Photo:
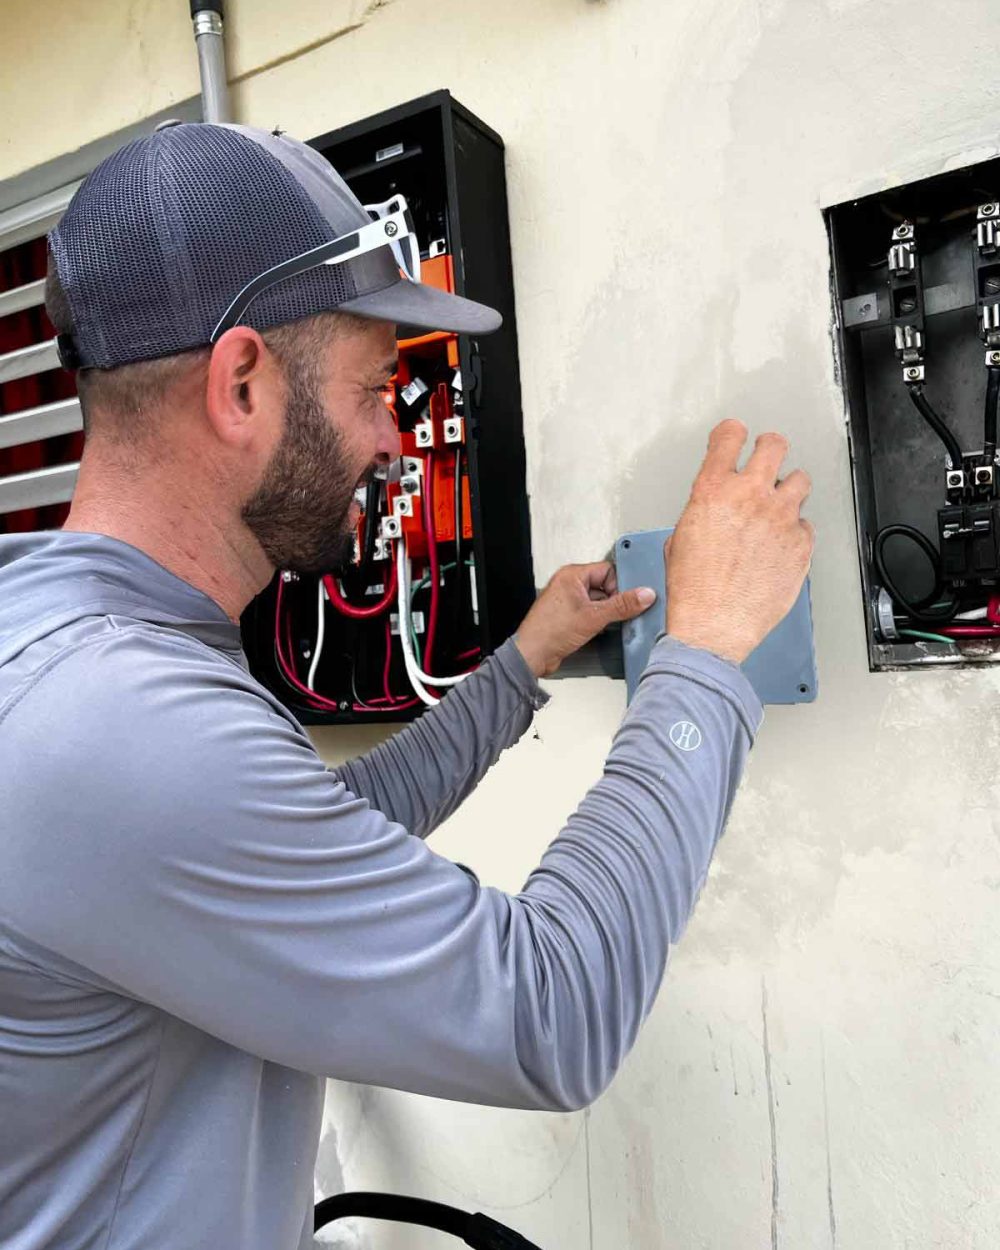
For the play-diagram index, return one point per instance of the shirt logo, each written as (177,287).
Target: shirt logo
(685,736)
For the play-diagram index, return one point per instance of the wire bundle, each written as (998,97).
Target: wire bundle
(398,591)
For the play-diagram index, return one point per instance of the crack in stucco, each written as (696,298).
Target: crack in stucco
(771,1116)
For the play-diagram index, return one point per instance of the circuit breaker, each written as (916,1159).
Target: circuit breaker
(441,572)
(916,278)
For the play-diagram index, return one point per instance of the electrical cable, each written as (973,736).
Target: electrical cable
(918,611)
(285,664)
(917,633)
(992,413)
(320,633)
(417,677)
(937,424)
(459,526)
(413,673)
(971,631)
(476,1230)
(365,613)
(430,533)
(373,508)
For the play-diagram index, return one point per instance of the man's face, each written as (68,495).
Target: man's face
(338,430)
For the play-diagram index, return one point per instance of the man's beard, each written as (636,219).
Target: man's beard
(299,511)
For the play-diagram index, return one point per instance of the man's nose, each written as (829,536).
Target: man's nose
(388,446)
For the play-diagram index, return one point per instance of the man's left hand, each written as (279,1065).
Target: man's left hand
(579,601)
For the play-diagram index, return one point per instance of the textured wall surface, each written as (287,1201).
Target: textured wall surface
(819,1071)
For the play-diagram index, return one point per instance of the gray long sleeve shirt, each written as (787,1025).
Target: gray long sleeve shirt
(199,921)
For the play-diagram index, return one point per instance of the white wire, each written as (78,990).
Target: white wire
(417,678)
(403,601)
(320,633)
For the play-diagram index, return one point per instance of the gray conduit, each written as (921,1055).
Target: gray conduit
(206,16)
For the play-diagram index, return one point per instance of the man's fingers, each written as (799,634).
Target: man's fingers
(796,487)
(625,606)
(768,456)
(599,579)
(725,444)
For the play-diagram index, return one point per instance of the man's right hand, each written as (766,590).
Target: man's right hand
(741,550)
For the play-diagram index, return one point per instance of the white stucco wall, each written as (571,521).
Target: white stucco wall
(819,1071)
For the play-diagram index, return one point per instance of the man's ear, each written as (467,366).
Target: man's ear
(244,388)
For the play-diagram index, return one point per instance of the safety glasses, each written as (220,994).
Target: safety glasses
(391,225)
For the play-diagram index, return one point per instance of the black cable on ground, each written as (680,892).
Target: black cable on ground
(478,1231)
(937,424)
(917,611)
(992,411)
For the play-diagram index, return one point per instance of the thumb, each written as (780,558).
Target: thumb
(626,605)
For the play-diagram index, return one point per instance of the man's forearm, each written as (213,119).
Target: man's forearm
(421,775)
(616,888)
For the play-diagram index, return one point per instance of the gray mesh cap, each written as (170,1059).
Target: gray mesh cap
(164,234)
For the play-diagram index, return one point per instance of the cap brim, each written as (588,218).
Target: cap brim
(424,308)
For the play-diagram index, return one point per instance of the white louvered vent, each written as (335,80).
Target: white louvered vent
(39,413)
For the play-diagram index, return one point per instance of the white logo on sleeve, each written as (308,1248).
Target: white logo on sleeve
(685,736)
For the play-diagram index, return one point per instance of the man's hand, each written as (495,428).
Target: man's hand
(579,601)
(741,551)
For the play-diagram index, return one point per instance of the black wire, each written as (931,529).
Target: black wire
(373,507)
(937,425)
(992,411)
(914,610)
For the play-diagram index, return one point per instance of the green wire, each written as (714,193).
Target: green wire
(918,633)
(424,582)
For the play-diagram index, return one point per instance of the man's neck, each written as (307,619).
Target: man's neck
(184,530)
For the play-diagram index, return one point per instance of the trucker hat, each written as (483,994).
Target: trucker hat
(199,226)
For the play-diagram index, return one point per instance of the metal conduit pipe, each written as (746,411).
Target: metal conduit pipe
(206,16)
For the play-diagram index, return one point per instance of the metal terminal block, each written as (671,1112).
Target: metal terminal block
(454,430)
(410,485)
(424,433)
(955,479)
(438,247)
(901,258)
(402,505)
(391,527)
(990,328)
(909,344)
(987,223)
(984,475)
(413,466)
(913,373)
(992,359)
(383,550)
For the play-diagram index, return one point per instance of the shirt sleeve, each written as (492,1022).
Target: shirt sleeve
(421,775)
(181,838)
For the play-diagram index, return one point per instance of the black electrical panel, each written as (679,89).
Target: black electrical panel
(916,280)
(457,503)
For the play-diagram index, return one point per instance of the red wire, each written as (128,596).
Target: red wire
(366,613)
(316,701)
(432,560)
(970,631)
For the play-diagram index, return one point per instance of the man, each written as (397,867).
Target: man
(198,921)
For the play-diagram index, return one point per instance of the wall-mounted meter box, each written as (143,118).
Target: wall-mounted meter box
(916,277)
(441,572)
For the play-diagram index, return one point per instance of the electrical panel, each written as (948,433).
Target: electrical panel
(916,277)
(442,572)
